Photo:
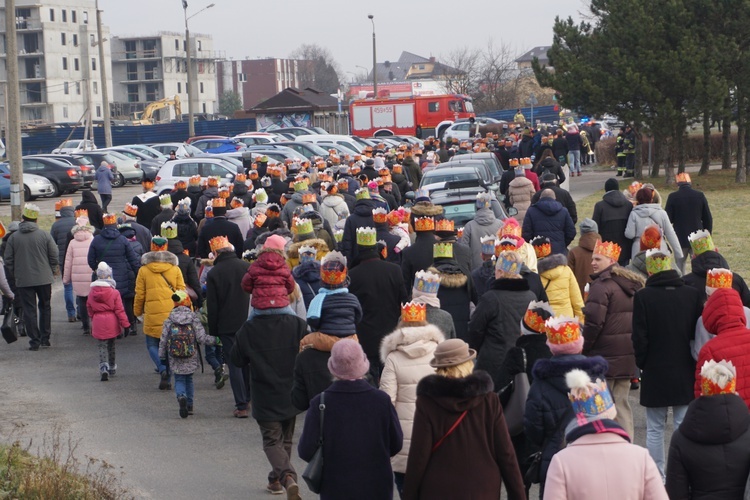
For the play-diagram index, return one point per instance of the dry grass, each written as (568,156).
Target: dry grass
(45,221)
(56,473)
(730,206)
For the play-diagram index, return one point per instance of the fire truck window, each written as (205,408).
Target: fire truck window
(455,106)
(433,107)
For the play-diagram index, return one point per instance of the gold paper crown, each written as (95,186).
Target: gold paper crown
(82,212)
(718,378)
(542,246)
(165,200)
(31,211)
(66,202)
(223,192)
(682,177)
(236,202)
(701,242)
(309,198)
(333,268)
(367,236)
(180,185)
(719,278)
(109,219)
(513,162)
(536,316)
(413,312)
(608,249)
(299,186)
(219,203)
(445,225)
(194,180)
(442,251)
(261,196)
(362,194)
(510,228)
(212,181)
(459,232)
(379,215)
(260,219)
(130,210)
(169,230)
(240,178)
(506,243)
(58,205)
(658,261)
(338,235)
(303,226)
(218,242)
(562,330)
(424,224)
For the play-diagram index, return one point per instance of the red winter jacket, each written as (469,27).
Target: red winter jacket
(107,313)
(724,316)
(269,280)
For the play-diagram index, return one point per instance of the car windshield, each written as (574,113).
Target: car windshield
(71,144)
(460,213)
(82,160)
(153,153)
(192,149)
(438,177)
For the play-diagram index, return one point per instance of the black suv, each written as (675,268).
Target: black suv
(458,199)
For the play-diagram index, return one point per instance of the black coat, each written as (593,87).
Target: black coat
(307,276)
(89,203)
(549,218)
(142,234)
(179,195)
(187,232)
(708,454)
(360,217)
(219,226)
(165,215)
(227,303)
(456,293)
(189,272)
(113,248)
(688,210)
(562,196)
(535,347)
(379,286)
(710,260)
(269,345)
(60,231)
(417,256)
(665,312)
(311,376)
(550,166)
(496,323)
(611,215)
(147,209)
(560,147)
(535,283)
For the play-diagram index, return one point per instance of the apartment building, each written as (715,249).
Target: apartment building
(256,80)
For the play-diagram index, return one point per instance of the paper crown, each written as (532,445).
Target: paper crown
(333,268)
(701,242)
(513,162)
(379,215)
(181,298)
(657,261)
(586,290)
(426,282)
(109,219)
(542,246)
(212,182)
(307,249)
(303,226)
(309,198)
(194,180)
(338,235)
(180,185)
(362,194)
(219,202)
(422,194)
(484,200)
(261,196)
(165,200)
(506,243)
(459,232)
(159,244)
(589,399)
(254,173)
(508,262)
(397,169)
(510,228)
(718,377)
(236,202)
(651,237)
(413,312)
(265,181)
(366,236)
(607,249)
(442,251)
(218,242)
(66,202)
(82,212)
(488,244)
(58,206)
(300,186)
(169,230)
(260,219)
(562,330)
(31,211)
(130,210)
(241,178)
(536,315)
(682,177)
(209,211)
(719,278)
(424,224)
(445,225)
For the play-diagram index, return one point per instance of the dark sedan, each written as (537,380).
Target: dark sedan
(65,178)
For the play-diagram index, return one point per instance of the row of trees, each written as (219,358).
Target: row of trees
(661,66)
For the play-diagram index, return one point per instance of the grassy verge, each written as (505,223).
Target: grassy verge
(56,473)
(45,221)
(729,202)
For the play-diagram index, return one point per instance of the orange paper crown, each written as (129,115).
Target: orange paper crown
(510,228)
(131,210)
(224,192)
(562,330)
(58,205)
(718,378)
(379,215)
(424,224)
(542,246)
(109,219)
(195,180)
(212,182)
(309,198)
(219,202)
(260,219)
(413,312)
(218,242)
(394,218)
(608,249)
(240,178)
(683,177)
(719,278)
(651,237)
(236,202)
(180,185)
(445,225)
(82,212)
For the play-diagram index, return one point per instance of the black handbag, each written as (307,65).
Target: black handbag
(10,326)
(534,461)
(313,474)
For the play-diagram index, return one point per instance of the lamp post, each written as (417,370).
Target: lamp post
(190,82)
(374,58)
(103,72)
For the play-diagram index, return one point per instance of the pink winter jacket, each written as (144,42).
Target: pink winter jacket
(603,467)
(108,316)
(77,270)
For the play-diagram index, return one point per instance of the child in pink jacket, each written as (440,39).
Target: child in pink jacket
(108,318)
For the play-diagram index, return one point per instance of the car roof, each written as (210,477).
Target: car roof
(457,169)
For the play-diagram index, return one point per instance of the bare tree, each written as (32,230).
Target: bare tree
(460,69)
(319,69)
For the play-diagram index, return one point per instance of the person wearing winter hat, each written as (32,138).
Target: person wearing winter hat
(269,280)
(579,257)
(717,423)
(483,275)
(456,292)
(425,291)
(597,442)
(307,273)
(558,279)
(353,408)
(461,399)
(219,226)
(108,318)
(483,224)
(76,271)
(611,216)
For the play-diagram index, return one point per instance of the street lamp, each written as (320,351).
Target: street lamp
(190,82)
(374,58)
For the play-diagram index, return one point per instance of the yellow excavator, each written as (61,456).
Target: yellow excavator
(146,117)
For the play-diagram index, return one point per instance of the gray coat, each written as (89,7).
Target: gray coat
(31,256)
(643,216)
(183,316)
(484,224)
(104,180)
(443,320)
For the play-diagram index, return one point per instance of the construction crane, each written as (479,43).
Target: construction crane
(146,117)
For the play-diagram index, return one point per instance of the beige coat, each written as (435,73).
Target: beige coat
(520,192)
(406,353)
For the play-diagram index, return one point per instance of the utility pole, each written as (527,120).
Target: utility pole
(190,89)
(374,59)
(103,74)
(13,129)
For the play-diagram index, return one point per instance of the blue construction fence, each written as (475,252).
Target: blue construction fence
(544,114)
(44,141)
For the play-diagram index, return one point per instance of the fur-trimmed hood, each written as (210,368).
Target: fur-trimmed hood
(151,257)
(293,250)
(425,209)
(414,341)
(551,262)
(456,394)
(450,276)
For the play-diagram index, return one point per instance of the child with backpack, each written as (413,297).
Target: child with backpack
(108,318)
(178,348)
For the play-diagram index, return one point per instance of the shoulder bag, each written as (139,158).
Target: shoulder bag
(516,406)
(535,460)
(313,474)
(450,431)
(10,325)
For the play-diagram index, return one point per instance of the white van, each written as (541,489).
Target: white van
(340,140)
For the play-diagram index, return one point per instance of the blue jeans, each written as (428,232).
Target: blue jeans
(656,421)
(183,386)
(70,301)
(152,344)
(214,356)
(574,160)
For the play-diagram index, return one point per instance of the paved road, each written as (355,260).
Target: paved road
(131,424)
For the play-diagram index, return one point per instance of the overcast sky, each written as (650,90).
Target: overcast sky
(274,28)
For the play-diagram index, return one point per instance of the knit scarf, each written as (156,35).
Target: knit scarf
(429,299)
(316,305)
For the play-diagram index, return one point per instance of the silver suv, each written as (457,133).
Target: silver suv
(176,170)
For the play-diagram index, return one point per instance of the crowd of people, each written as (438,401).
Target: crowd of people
(439,361)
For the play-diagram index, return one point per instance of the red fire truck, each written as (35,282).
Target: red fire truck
(420,116)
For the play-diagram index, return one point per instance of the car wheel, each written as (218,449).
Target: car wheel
(27,194)
(118,181)
(55,189)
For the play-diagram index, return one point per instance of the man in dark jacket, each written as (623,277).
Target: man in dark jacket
(189,272)
(360,217)
(418,256)
(550,166)
(688,211)
(549,181)
(142,234)
(219,226)
(210,193)
(665,312)
(226,307)
(607,331)
(60,231)
(548,217)
(560,147)
(412,169)
(147,203)
(705,261)
(369,169)
(166,214)
(89,203)
(611,217)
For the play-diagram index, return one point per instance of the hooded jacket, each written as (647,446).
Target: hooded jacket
(187,232)
(561,286)
(643,216)
(293,204)
(187,268)
(549,218)
(520,192)
(456,294)
(417,256)
(307,276)
(481,440)
(551,165)
(158,278)
(31,256)
(360,217)
(104,306)
(113,248)
(561,195)
(711,260)
(609,319)
(579,258)
(104,178)
(406,354)
(484,224)
(688,210)
(77,270)
(226,301)
(89,203)
(208,194)
(611,216)
(183,316)
(268,280)
(292,253)
(218,226)
(333,207)
(60,231)
(708,454)
(241,217)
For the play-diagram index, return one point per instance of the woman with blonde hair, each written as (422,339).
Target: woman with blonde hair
(460,446)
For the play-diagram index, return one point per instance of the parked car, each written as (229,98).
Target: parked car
(256,138)
(458,199)
(191,140)
(324,141)
(65,178)
(290,130)
(479,165)
(464,129)
(124,171)
(488,158)
(306,149)
(181,149)
(218,146)
(175,170)
(75,146)
(437,178)
(88,171)
(4,187)
(149,166)
(231,160)
(147,150)
(34,186)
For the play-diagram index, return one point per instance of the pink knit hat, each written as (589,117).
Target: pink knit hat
(275,242)
(348,360)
